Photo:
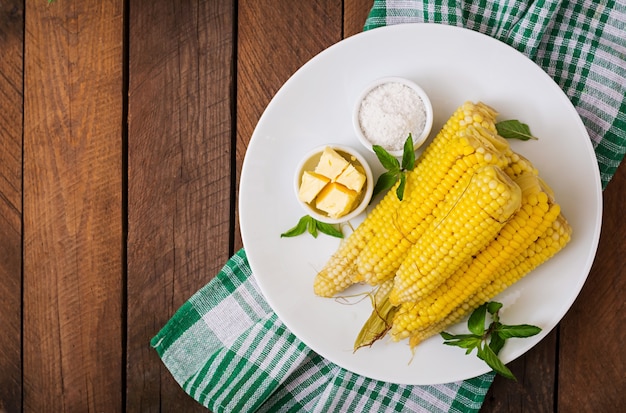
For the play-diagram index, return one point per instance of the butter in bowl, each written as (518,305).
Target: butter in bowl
(334,183)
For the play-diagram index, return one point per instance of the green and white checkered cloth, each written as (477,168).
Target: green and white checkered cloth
(230,352)
(581,44)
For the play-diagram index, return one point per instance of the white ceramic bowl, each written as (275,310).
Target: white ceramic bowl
(419,136)
(308,163)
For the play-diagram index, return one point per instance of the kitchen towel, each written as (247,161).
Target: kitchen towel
(230,352)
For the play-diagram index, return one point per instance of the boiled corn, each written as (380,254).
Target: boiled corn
(339,272)
(537,214)
(467,142)
(474,219)
(545,247)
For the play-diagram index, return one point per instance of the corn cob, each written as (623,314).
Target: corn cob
(465,144)
(518,165)
(545,247)
(340,271)
(483,208)
(537,214)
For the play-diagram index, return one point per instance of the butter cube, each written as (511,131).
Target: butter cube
(351,178)
(311,185)
(331,164)
(336,200)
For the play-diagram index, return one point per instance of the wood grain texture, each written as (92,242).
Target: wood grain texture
(107,226)
(179,180)
(536,382)
(268,54)
(355,13)
(73,206)
(592,360)
(11,117)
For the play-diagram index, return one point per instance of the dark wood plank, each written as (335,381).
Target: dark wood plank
(592,360)
(11,104)
(179,180)
(270,51)
(535,386)
(355,13)
(73,206)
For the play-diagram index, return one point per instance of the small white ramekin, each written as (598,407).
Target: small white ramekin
(308,163)
(418,139)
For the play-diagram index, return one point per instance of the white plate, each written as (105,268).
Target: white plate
(314,107)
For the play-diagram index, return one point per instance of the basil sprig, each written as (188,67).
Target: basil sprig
(311,224)
(395,170)
(490,340)
(514,129)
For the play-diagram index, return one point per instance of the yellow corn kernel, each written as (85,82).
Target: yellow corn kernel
(339,272)
(475,218)
(448,162)
(537,213)
(518,165)
(383,255)
(545,247)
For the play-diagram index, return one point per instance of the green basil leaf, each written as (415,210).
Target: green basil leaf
(388,161)
(476,322)
(514,129)
(400,189)
(446,336)
(486,354)
(520,331)
(299,229)
(329,229)
(496,342)
(466,341)
(408,154)
(493,307)
(312,225)
(384,182)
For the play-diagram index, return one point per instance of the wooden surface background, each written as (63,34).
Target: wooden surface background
(123,128)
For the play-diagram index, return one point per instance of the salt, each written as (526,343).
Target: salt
(389,112)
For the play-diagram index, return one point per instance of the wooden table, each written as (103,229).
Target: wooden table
(122,129)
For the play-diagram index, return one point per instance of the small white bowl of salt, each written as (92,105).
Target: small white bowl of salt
(389,110)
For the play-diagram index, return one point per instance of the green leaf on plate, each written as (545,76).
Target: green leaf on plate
(493,307)
(466,341)
(388,161)
(496,343)
(514,129)
(385,182)
(486,354)
(491,340)
(329,229)
(476,322)
(519,331)
(299,229)
(408,155)
(395,171)
(311,224)
(400,189)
